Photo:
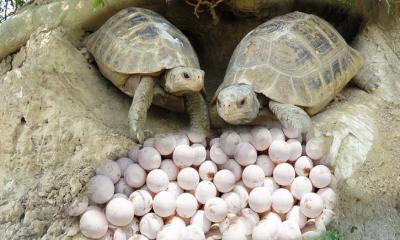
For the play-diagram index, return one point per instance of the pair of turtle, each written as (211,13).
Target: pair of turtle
(293,65)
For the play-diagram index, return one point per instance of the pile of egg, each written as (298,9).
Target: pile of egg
(255,184)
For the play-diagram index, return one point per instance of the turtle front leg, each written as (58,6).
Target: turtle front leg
(198,112)
(291,116)
(367,79)
(141,103)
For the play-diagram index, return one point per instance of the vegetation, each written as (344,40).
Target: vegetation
(332,234)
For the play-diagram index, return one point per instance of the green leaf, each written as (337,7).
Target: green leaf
(19,3)
(332,235)
(98,3)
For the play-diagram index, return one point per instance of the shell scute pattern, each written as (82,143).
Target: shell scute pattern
(296,58)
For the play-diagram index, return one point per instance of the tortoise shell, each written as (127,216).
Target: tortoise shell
(140,41)
(296,58)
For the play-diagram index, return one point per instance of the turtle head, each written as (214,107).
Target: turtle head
(238,104)
(183,80)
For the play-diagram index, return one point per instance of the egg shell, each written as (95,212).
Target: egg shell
(279,151)
(204,191)
(325,218)
(175,221)
(200,154)
(295,215)
(289,230)
(192,232)
(165,144)
(320,176)
(277,134)
(135,176)
(93,224)
(207,170)
(169,232)
(181,139)
(133,154)
(119,234)
(270,184)
(149,142)
(124,162)
(311,205)
(214,141)
(164,204)
(110,169)
(245,154)
(142,202)
(169,167)
(100,189)
(224,181)
(132,228)
(157,180)
(300,186)
(234,167)
(78,206)
(265,230)
(303,166)
(266,164)
(328,196)
(314,148)
(261,138)
(282,200)
(245,137)
(234,232)
(174,188)
(217,155)
(233,202)
(196,135)
(291,132)
(284,174)
(273,217)
(249,219)
(188,178)
(260,199)
(150,225)
(186,205)
(183,156)
(200,219)
(119,211)
(122,187)
(228,141)
(215,209)
(149,158)
(253,176)
(295,149)
(243,195)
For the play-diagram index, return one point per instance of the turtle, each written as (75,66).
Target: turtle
(291,67)
(143,55)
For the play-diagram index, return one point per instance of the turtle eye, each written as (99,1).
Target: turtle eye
(243,101)
(186,75)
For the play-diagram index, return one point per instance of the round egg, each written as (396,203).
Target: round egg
(270,184)
(120,211)
(282,200)
(165,144)
(181,139)
(133,154)
(303,166)
(93,224)
(265,230)
(192,232)
(169,167)
(243,195)
(295,149)
(253,176)
(277,134)
(174,188)
(300,186)
(295,215)
(217,155)
(150,225)
(122,187)
(289,230)
(110,169)
(284,174)
(200,154)
(314,148)
(204,191)
(260,199)
(311,205)
(200,219)
(164,204)
(188,178)
(261,138)
(196,135)
(245,154)
(224,181)
(142,202)
(149,158)
(183,156)
(234,167)
(320,176)
(207,170)
(135,176)
(233,202)
(264,162)
(157,180)
(100,189)
(279,151)
(228,141)
(186,205)
(291,132)
(328,196)
(216,209)
(124,162)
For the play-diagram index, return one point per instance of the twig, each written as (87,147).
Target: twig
(211,5)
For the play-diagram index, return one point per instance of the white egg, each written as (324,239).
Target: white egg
(260,199)
(273,217)
(183,156)
(224,180)
(245,154)
(150,225)
(295,149)
(119,234)
(165,144)
(266,164)
(142,202)
(122,187)
(110,169)
(245,137)
(300,186)
(216,209)
(181,139)
(78,206)
(217,155)
(174,188)
(188,178)
(157,180)
(207,170)
(320,176)
(120,211)
(235,232)
(325,218)
(192,232)
(176,221)
(253,176)
(328,196)
(243,195)
(169,167)
(261,138)
(249,219)
(295,215)
(93,224)
(135,175)
(303,166)
(311,205)
(149,158)
(289,230)
(204,191)
(200,219)
(100,189)
(196,135)
(214,141)
(228,141)
(277,134)
(284,174)
(282,200)
(200,154)
(186,205)
(164,204)
(149,142)
(233,202)
(270,184)
(291,132)
(133,154)
(265,230)
(279,151)
(169,232)
(124,162)
(234,167)
(314,148)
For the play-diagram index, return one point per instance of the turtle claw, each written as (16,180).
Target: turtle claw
(137,135)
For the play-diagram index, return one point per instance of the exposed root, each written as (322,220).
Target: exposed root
(211,5)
